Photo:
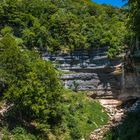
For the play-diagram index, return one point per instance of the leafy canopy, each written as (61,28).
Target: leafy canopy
(61,26)
(29,83)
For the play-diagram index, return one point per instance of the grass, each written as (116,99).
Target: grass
(92,117)
(89,114)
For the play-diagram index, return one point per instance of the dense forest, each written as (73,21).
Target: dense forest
(61,26)
(39,107)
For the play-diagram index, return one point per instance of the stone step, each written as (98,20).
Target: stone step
(105,97)
(95,83)
(91,70)
(88,76)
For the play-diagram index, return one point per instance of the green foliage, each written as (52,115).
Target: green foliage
(17,133)
(81,116)
(61,26)
(75,134)
(134,16)
(84,115)
(31,84)
(6,30)
(21,134)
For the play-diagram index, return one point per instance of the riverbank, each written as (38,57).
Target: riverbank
(115,116)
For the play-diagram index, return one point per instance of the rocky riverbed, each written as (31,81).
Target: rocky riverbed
(117,112)
(115,115)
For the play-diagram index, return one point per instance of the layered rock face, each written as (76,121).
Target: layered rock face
(131,85)
(90,71)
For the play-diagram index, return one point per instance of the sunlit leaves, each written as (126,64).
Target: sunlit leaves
(29,83)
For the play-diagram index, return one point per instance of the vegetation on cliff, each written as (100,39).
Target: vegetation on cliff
(134,16)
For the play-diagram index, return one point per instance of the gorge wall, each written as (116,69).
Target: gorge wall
(91,70)
(131,84)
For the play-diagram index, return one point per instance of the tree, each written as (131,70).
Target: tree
(134,15)
(31,84)
(62,26)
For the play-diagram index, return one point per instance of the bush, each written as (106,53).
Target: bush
(75,133)
(20,133)
(32,85)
